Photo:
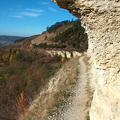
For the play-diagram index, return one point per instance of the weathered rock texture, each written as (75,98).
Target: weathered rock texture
(101,19)
(64,53)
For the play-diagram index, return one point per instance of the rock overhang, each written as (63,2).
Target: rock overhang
(102,18)
(85,7)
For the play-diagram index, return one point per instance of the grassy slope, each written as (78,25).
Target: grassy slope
(27,72)
(53,94)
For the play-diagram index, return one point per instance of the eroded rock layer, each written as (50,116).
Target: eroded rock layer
(101,19)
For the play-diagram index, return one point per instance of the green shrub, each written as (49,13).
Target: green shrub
(57,25)
(74,36)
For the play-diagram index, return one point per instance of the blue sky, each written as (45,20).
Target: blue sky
(29,17)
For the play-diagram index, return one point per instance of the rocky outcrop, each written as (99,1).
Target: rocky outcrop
(101,18)
(64,53)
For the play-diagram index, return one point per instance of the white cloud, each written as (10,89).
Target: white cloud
(35,10)
(44,3)
(17,16)
(30,14)
(52,9)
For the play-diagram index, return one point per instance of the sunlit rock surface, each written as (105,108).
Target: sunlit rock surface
(64,53)
(101,18)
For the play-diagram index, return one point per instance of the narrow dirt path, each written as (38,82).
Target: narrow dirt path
(76,109)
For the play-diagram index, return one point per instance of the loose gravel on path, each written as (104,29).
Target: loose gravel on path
(76,106)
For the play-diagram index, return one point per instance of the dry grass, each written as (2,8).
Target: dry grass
(43,105)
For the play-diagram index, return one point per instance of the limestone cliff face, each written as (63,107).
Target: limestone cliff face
(101,19)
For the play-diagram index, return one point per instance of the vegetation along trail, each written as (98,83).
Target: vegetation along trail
(77,108)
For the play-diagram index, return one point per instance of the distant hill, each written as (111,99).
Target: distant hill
(5,39)
(65,35)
